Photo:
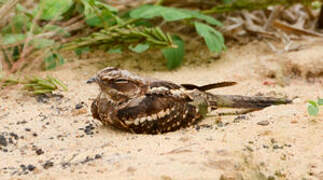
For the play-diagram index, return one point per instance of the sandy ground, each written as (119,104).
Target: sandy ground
(48,138)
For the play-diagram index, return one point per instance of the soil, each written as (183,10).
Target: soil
(55,137)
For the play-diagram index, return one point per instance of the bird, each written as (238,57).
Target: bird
(146,105)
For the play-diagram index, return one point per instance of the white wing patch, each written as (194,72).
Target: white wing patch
(152,117)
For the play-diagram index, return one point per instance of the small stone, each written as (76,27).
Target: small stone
(79,105)
(31,167)
(39,151)
(97,156)
(27,129)
(3,141)
(197,127)
(48,164)
(263,123)
(89,129)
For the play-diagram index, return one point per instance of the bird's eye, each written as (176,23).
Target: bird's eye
(121,81)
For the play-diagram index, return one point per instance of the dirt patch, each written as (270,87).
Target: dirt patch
(306,63)
(56,137)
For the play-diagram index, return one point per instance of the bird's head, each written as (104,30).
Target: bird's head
(118,84)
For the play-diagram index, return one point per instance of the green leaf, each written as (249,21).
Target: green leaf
(17,24)
(98,14)
(320,102)
(170,14)
(12,38)
(312,108)
(208,19)
(115,50)
(53,9)
(139,48)
(82,50)
(174,56)
(53,60)
(98,21)
(213,38)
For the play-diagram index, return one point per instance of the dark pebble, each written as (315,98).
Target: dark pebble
(197,127)
(263,123)
(98,156)
(39,151)
(3,141)
(21,122)
(89,129)
(27,129)
(288,145)
(35,134)
(48,164)
(31,167)
(79,105)
(277,147)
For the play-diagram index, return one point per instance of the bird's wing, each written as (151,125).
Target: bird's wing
(157,113)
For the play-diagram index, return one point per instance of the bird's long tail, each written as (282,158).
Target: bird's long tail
(235,101)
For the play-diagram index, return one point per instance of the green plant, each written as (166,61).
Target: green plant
(133,33)
(36,85)
(213,39)
(313,107)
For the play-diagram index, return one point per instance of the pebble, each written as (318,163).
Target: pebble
(79,105)
(3,141)
(88,129)
(48,164)
(39,151)
(31,167)
(263,123)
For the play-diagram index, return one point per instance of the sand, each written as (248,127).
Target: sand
(49,138)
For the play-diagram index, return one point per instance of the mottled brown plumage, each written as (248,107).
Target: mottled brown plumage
(142,105)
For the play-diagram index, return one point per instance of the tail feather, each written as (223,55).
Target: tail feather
(235,101)
(208,86)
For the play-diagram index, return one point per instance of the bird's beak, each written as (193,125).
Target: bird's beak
(91,80)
